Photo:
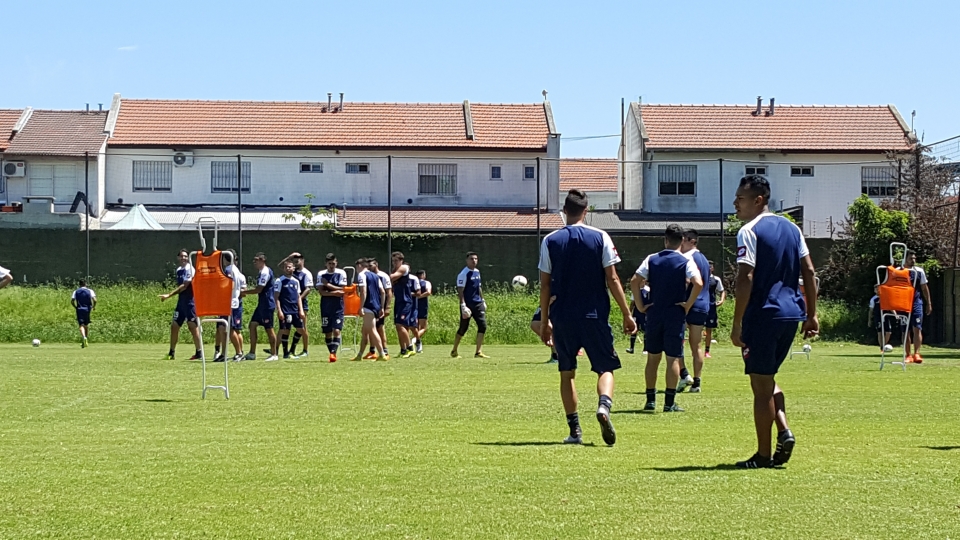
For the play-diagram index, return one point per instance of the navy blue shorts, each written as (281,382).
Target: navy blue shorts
(712,318)
(664,333)
(422,312)
(537,316)
(83,317)
(263,317)
(767,345)
(187,313)
(380,321)
(592,335)
(697,318)
(405,315)
(291,320)
(916,317)
(236,319)
(331,321)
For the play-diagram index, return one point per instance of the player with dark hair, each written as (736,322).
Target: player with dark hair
(186,308)
(84,300)
(330,285)
(266,304)
(289,302)
(699,313)
(921,306)
(423,307)
(772,256)
(470,291)
(385,300)
(715,286)
(305,277)
(405,308)
(577,267)
(372,294)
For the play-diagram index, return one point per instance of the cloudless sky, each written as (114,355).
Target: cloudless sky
(586,54)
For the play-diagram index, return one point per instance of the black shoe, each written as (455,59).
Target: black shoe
(195,357)
(785,444)
(630,350)
(606,428)
(220,358)
(268,351)
(756,461)
(672,408)
(286,356)
(650,406)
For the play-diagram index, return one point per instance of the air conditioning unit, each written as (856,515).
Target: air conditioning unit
(183,159)
(15,169)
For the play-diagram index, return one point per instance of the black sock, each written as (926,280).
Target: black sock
(373,350)
(286,345)
(402,351)
(633,341)
(707,348)
(573,421)
(651,395)
(671,396)
(293,344)
(696,382)
(171,352)
(684,373)
(605,401)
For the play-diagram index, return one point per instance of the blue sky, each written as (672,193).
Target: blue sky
(586,54)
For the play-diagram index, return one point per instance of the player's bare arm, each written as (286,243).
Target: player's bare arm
(811,326)
(636,286)
(180,288)
(723,298)
(697,283)
(742,290)
(546,328)
(928,305)
(613,284)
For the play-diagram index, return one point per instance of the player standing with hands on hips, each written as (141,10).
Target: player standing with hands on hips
(772,256)
(577,266)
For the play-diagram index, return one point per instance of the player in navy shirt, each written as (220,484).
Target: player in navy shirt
(330,285)
(423,307)
(405,307)
(640,318)
(305,277)
(921,306)
(699,313)
(372,295)
(266,304)
(83,300)
(772,256)
(289,304)
(577,267)
(715,286)
(472,305)
(669,273)
(186,309)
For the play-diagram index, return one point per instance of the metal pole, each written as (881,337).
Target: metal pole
(538,205)
(623,157)
(239,260)
(86,203)
(899,187)
(956,236)
(389,209)
(723,246)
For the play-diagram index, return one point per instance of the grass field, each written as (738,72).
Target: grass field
(112,442)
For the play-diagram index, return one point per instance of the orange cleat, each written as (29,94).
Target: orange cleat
(370,356)
(333,357)
(909,359)
(580,352)
(917,359)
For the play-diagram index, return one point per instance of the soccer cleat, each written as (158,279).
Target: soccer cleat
(785,444)
(267,351)
(195,357)
(370,356)
(333,357)
(455,354)
(694,389)
(629,350)
(411,353)
(672,408)
(83,343)
(405,354)
(650,406)
(606,426)
(272,358)
(909,359)
(917,359)
(220,358)
(237,358)
(382,358)
(250,356)
(419,347)
(755,461)
(168,357)
(553,360)
(480,355)
(303,354)
(707,355)
(684,382)
(287,356)
(573,439)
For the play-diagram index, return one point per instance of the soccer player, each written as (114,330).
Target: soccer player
(84,300)
(330,284)
(287,297)
(305,277)
(578,266)
(699,313)
(470,291)
(385,300)
(423,307)
(875,320)
(6,277)
(771,257)
(638,317)
(716,286)
(236,309)
(372,294)
(186,308)
(921,299)
(668,273)
(266,304)
(404,309)
(413,322)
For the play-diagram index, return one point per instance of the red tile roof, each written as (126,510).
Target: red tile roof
(60,133)
(445,220)
(8,119)
(588,174)
(791,127)
(185,124)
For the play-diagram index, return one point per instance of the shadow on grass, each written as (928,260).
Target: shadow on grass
(633,411)
(692,468)
(159,400)
(530,443)
(941,447)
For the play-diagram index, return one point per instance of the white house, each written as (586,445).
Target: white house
(688,159)
(171,154)
(597,177)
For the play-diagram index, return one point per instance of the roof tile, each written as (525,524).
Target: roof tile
(588,174)
(8,119)
(60,133)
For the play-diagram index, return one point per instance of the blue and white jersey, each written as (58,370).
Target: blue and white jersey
(185,275)
(239,284)
(576,257)
(413,286)
(306,283)
(287,290)
(4,272)
(332,306)
(470,281)
(774,247)
(384,280)
(402,290)
(84,298)
(668,273)
(372,283)
(918,277)
(716,286)
(265,298)
(702,304)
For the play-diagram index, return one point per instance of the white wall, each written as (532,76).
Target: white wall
(68,179)
(276,174)
(633,193)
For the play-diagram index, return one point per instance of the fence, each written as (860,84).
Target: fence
(945,293)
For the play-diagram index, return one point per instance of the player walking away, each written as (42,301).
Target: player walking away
(638,317)
(6,277)
(404,309)
(387,285)
(372,294)
(330,284)
(921,298)
(186,309)
(771,257)
(423,307)
(716,286)
(578,265)
(698,315)
(266,304)
(470,291)
(669,272)
(289,303)
(84,300)
(236,309)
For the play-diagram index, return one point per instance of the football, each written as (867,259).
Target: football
(36,343)
(807,348)
(888,348)
(519,282)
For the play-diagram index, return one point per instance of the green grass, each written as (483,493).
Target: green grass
(112,442)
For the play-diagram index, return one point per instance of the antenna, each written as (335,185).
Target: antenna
(544,95)
(913,114)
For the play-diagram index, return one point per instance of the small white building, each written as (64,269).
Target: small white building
(688,159)
(598,178)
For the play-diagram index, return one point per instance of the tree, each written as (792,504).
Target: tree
(313,218)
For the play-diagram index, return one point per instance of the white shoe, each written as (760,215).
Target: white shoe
(573,440)
(272,358)
(685,382)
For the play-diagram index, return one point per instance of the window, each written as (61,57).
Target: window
(495,172)
(801,171)
(529,172)
(677,179)
(878,181)
(223,177)
(153,176)
(436,179)
(756,169)
(358,168)
(311,167)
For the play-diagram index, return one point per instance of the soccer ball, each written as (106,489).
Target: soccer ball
(519,282)
(888,348)
(36,343)
(807,348)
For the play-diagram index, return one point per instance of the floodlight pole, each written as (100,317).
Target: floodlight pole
(389,208)
(723,246)
(239,256)
(538,205)
(86,203)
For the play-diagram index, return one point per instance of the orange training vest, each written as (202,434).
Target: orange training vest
(351,301)
(212,289)
(896,292)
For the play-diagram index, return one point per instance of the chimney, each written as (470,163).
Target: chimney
(770,111)
(329,101)
(759,106)
(341,101)
(101,106)
(88,107)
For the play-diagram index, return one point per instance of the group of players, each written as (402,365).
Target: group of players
(577,269)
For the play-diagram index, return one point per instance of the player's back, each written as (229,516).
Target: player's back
(402,289)
(777,247)
(577,275)
(84,298)
(239,284)
(425,287)
(372,283)
(668,280)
